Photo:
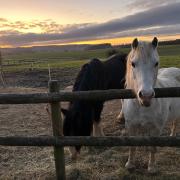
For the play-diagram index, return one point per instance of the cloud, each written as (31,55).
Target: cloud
(146,4)
(46,26)
(163,19)
(154,31)
(3,20)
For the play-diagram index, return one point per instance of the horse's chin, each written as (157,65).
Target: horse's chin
(145,102)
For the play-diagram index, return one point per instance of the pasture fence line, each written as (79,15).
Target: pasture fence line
(95,95)
(54,97)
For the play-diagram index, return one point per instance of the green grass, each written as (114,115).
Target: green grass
(61,64)
(67,55)
(170,61)
(169,56)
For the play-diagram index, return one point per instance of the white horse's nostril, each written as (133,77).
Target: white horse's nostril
(140,94)
(145,97)
(146,94)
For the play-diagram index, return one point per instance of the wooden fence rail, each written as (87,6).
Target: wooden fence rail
(82,95)
(91,141)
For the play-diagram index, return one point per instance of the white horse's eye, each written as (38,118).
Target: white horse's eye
(156,64)
(133,64)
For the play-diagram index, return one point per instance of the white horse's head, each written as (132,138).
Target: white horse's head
(142,70)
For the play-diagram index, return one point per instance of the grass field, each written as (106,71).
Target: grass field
(93,163)
(169,56)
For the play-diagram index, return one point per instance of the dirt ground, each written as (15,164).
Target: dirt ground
(93,163)
(39,78)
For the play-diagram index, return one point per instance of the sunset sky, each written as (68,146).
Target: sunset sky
(46,22)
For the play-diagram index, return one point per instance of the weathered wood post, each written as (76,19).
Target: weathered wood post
(57,131)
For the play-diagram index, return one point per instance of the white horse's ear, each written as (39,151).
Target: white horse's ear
(155,42)
(135,43)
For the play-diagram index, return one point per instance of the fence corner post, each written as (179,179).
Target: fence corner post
(57,126)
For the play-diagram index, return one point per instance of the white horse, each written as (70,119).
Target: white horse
(145,115)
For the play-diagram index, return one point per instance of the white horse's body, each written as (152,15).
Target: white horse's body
(151,120)
(145,115)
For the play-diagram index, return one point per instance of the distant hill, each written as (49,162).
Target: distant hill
(63,48)
(99,46)
(58,48)
(175,42)
(55,48)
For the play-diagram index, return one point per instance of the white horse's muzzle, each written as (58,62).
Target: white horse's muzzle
(145,97)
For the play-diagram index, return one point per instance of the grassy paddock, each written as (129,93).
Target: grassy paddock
(169,55)
(94,163)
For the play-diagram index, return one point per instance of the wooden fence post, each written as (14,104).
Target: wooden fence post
(57,131)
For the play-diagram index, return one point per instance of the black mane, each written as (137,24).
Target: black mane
(90,76)
(98,75)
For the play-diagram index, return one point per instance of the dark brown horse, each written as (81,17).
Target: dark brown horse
(83,117)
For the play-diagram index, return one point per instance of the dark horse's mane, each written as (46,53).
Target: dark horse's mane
(90,76)
(95,75)
(102,72)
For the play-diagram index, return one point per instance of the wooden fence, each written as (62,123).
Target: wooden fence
(58,141)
